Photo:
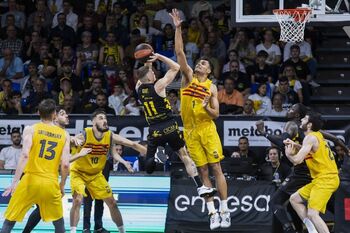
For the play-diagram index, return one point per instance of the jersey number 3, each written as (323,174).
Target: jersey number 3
(48,150)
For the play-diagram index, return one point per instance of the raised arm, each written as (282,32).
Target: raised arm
(27,145)
(168,77)
(117,139)
(186,70)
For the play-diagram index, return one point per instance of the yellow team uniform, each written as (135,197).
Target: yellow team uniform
(324,173)
(200,133)
(86,172)
(39,185)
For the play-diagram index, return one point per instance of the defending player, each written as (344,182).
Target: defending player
(199,106)
(323,169)
(163,127)
(45,147)
(300,174)
(86,172)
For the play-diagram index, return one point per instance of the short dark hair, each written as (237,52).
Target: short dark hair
(262,53)
(46,108)
(59,14)
(229,79)
(102,93)
(283,79)
(7,80)
(98,112)
(142,72)
(15,93)
(15,130)
(294,46)
(316,120)
(243,137)
(274,148)
(59,108)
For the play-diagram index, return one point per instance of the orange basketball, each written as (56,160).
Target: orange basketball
(142,52)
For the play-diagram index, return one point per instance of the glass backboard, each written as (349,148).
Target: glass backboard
(260,11)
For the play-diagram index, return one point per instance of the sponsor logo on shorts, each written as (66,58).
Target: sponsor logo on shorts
(215,154)
(108,189)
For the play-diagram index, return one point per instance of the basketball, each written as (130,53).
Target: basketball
(142,52)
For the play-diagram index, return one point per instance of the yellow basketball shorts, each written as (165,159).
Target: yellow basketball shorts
(34,189)
(319,191)
(203,144)
(96,184)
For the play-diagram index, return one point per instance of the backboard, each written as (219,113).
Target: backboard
(260,11)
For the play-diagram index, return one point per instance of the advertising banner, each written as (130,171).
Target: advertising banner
(248,203)
(229,128)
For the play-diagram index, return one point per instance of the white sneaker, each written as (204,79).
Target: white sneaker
(214,221)
(160,156)
(205,191)
(225,219)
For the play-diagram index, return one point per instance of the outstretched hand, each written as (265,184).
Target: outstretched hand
(129,167)
(10,189)
(175,15)
(78,140)
(85,151)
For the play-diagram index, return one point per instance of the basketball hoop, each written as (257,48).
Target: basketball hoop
(292,22)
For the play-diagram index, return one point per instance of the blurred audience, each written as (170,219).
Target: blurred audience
(9,156)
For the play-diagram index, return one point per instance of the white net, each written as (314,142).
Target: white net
(292,23)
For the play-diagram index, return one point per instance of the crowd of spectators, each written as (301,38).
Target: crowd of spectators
(80,53)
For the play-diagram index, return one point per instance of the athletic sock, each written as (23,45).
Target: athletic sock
(121,229)
(211,207)
(73,229)
(309,225)
(197,181)
(223,206)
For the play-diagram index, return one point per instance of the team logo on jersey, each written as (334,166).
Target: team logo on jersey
(216,154)
(156,134)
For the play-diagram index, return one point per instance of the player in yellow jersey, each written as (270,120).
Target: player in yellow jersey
(199,107)
(323,169)
(61,120)
(86,172)
(45,147)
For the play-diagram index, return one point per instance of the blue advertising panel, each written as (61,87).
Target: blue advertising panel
(142,200)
